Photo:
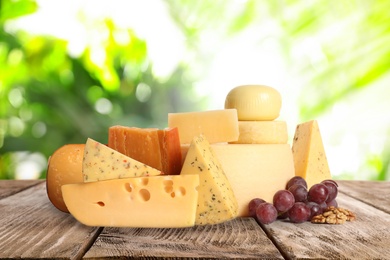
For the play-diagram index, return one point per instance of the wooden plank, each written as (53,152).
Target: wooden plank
(374,193)
(241,238)
(9,187)
(366,238)
(31,227)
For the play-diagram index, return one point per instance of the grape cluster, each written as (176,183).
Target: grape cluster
(296,202)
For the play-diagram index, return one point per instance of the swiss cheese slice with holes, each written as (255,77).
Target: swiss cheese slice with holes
(156,201)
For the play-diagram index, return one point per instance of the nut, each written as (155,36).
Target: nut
(333,215)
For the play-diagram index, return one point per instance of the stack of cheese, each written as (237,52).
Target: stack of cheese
(250,144)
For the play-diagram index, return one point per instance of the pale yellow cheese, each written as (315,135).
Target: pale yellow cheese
(309,154)
(216,202)
(254,102)
(156,201)
(216,125)
(103,163)
(262,132)
(254,170)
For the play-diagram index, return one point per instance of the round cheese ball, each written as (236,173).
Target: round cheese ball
(254,102)
(64,167)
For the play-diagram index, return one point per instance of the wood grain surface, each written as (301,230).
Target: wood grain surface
(31,227)
(239,239)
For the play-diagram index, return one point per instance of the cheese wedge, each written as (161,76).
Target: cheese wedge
(154,202)
(100,162)
(158,148)
(217,202)
(262,132)
(309,154)
(216,125)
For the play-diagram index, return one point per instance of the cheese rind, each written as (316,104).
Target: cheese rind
(309,154)
(254,170)
(262,132)
(156,201)
(255,102)
(217,201)
(100,162)
(216,125)
(64,167)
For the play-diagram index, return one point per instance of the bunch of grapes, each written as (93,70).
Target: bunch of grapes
(296,202)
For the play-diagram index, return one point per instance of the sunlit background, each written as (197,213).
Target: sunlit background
(71,69)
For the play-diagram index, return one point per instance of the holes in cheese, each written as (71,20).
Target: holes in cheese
(216,202)
(100,162)
(216,125)
(110,203)
(254,102)
(262,132)
(309,154)
(157,148)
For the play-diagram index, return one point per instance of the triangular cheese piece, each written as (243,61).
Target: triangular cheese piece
(216,202)
(309,154)
(100,162)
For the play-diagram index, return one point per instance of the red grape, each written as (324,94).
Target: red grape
(299,213)
(315,209)
(283,200)
(332,190)
(333,181)
(318,193)
(332,203)
(296,180)
(299,191)
(266,213)
(253,204)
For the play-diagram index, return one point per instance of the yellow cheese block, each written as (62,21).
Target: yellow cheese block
(254,102)
(216,125)
(262,132)
(254,170)
(156,201)
(100,162)
(216,202)
(309,154)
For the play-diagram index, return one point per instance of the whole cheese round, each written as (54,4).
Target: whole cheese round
(64,167)
(262,132)
(254,102)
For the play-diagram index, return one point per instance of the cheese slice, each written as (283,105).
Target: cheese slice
(100,162)
(216,125)
(309,154)
(156,201)
(262,132)
(254,170)
(158,148)
(216,202)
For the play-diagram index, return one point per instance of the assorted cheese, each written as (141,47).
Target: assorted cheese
(217,125)
(158,148)
(309,154)
(262,132)
(204,168)
(216,202)
(156,201)
(100,162)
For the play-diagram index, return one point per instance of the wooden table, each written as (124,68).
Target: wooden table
(31,227)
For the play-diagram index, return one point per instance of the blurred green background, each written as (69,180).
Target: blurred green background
(71,69)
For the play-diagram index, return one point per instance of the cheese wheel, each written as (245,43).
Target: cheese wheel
(262,132)
(64,167)
(254,102)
